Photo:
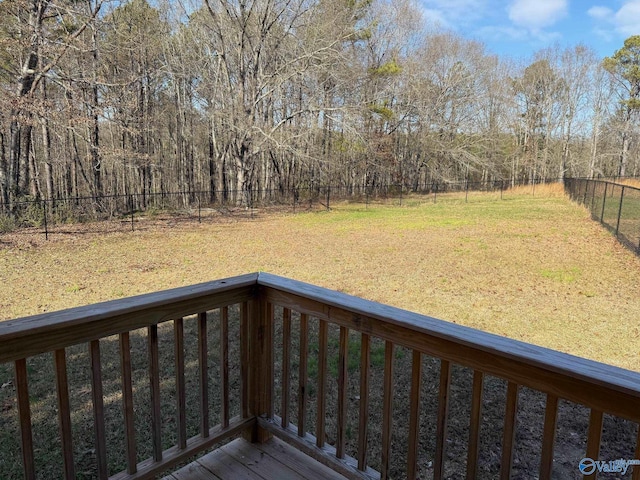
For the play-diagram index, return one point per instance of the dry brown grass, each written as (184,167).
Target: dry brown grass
(631,182)
(532,267)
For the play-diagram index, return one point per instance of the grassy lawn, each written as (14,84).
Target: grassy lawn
(535,268)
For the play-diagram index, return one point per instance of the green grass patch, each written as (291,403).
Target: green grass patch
(562,275)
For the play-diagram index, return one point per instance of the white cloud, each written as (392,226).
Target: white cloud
(599,12)
(627,19)
(537,14)
(435,17)
(454,13)
(502,33)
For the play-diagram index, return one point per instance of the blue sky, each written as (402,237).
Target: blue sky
(518,28)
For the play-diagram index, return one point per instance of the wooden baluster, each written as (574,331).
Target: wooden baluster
(593,438)
(363,418)
(127,403)
(387,410)
(443,413)
(244,358)
(286,347)
(414,415)
(509,432)
(268,360)
(98,409)
(181,395)
(24,416)
(636,468)
(154,387)
(64,413)
(204,374)
(224,364)
(548,437)
(342,391)
(303,376)
(323,335)
(474,425)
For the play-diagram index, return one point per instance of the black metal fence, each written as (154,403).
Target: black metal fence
(127,211)
(615,205)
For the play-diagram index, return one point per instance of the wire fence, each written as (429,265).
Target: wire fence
(615,205)
(136,211)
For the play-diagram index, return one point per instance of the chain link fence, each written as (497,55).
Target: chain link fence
(615,205)
(137,210)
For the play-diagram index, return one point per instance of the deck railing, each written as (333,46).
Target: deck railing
(367,389)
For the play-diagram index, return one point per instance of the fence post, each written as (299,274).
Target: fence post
(604,200)
(44,212)
(501,188)
(328,196)
(619,211)
(435,193)
(199,211)
(131,205)
(400,194)
(466,190)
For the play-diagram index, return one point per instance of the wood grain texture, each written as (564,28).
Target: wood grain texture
(261,364)
(224,365)
(245,359)
(241,460)
(509,431)
(181,394)
(154,387)
(285,395)
(414,415)
(203,370)
(303,379)
(441,421)
(602,388)
(24,415)
(64,414)
(326,454)
(363,416)
(548,437)
(28,336)
(323,335)
(594,437)
(636,468)
(387,410)
(127,402)
(343,353)
(97,398)
(474,425)
(596,385)
(149,469)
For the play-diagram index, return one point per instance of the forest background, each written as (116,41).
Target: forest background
(107,98)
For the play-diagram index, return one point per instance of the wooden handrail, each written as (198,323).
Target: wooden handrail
(29,336)
(54,333)
(602,388)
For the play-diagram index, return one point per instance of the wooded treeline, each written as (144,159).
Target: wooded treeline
(102,97)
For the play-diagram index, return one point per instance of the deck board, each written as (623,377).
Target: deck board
(241,460)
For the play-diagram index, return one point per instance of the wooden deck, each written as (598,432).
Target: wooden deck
(241,460)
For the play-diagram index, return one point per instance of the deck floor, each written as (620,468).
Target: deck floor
(242,460)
